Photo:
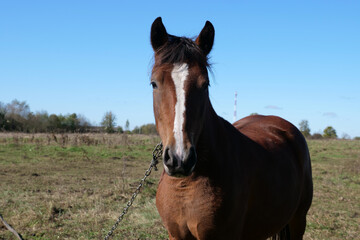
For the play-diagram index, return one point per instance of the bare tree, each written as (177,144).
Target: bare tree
(18,109)
(127,125)
(304,128)
(17,114)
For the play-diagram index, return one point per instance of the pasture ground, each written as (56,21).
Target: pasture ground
(74,186)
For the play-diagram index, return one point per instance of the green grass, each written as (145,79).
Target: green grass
(335,211)
(75,187)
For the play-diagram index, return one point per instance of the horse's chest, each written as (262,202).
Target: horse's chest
(187,210)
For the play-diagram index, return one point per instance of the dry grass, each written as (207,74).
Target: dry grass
(74,186)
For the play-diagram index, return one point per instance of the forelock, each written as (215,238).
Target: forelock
(180,50)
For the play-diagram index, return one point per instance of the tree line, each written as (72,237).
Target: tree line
(109,125)
(328,133)
(17,117)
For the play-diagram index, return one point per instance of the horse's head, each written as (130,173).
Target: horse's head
(180,94)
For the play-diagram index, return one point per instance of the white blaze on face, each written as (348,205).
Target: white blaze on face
(179,75)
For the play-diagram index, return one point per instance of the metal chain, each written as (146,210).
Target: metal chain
(157,152)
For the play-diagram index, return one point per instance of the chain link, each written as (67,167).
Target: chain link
(157,152)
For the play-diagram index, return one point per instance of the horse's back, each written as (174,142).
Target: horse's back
(273,133)
(278,138)
(281,165)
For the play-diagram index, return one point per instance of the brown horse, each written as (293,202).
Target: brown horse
(250,180)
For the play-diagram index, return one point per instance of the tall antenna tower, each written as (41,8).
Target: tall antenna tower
(235,106)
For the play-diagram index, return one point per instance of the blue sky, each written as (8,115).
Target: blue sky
(298,60)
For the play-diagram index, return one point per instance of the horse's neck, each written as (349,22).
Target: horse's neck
(216,138)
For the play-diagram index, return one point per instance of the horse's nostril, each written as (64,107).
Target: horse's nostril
(170,160)
(192,156)
(192,152)
(166,155)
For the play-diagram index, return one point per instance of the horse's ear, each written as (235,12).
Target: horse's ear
(159,35)
(205,40)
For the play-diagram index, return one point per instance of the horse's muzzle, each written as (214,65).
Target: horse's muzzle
(179,166)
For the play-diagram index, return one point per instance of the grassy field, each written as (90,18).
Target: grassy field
(75,186)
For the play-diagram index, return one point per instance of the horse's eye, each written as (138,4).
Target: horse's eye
(153,84)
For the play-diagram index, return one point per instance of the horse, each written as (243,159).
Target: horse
(247,180)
